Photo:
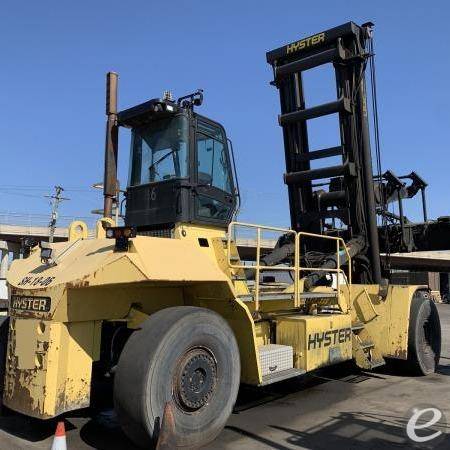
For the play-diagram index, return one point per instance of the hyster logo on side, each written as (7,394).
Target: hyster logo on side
(305,43)
(40,304)
(330,337)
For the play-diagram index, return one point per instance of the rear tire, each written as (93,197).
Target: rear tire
(424,335)
(184,355)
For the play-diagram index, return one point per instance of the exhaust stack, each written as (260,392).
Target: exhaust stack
(111,144)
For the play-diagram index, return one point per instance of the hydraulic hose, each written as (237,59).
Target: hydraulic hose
(354,247)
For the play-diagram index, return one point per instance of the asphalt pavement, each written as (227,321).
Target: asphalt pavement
(337,408)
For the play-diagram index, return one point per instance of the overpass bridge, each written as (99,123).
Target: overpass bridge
(15,233)
(16,226)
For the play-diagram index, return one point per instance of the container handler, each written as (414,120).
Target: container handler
(166,307)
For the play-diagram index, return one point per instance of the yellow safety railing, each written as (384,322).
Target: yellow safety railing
(257,267)
(296,268)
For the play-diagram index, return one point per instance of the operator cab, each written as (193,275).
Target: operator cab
(181,168)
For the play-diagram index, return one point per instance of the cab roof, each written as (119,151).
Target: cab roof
(145,112)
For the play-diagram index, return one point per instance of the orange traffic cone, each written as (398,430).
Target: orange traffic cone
(59,441)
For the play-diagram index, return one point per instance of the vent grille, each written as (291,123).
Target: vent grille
(162,233)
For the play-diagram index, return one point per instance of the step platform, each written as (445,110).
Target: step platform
(276,363)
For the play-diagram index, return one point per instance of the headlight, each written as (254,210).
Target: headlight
(121,235)
(46,253)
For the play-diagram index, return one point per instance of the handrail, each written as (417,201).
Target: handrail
(258,267)
(338,270)
(296,268)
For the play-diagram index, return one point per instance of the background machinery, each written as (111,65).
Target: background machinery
(165,309)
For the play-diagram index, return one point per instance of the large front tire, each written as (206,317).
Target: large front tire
(424,335)
(184,355)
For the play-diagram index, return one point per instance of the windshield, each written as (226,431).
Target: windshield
(159,151)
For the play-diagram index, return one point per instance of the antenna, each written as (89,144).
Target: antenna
(167,96)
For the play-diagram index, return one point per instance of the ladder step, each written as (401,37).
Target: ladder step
(309,62)
(280,376)
(341,105)
(318,154)
(358,326)
(316,174)
(238,278)
(377,363)
(367,345)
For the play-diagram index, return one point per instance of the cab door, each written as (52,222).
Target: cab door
(215,199)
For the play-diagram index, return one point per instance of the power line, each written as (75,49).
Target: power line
(20,194)
(43,188)
(41,215)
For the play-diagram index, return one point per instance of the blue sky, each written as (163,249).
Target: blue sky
(55,55)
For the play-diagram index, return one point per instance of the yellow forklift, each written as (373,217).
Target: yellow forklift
(169,310)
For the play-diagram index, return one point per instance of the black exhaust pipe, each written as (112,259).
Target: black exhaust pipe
(111,144)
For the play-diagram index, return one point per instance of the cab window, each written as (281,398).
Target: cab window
(159,151)
(213,167)
(213,173)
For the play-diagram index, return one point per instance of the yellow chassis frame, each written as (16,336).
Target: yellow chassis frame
(50,354)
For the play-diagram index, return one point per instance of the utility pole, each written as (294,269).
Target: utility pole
(56,199)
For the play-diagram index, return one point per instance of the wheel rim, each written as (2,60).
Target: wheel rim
(195,379)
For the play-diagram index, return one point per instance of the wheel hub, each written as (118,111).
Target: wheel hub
(196,379)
